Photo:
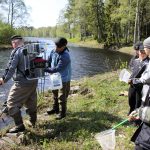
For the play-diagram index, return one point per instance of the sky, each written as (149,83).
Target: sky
(44,13)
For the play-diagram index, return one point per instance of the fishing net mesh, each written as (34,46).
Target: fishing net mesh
(106,139)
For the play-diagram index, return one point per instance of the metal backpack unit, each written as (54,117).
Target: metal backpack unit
(35,60)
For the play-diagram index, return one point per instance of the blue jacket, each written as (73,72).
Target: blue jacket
(60,62)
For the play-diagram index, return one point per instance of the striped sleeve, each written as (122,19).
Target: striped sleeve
(144,114)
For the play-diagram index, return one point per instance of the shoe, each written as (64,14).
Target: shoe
(60,116)
(51,112)
(17,129)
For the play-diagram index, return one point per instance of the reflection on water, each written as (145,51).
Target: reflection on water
(85,62)
(88,62)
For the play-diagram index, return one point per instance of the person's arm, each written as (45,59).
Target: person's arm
(135,68)
(131,64)
(144,114)
(145,78)
(12,67)
(62,63)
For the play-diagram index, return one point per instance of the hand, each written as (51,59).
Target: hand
(134,116)
(130,81)
(1,81)
(47,70)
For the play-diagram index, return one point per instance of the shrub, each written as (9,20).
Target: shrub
(5,33)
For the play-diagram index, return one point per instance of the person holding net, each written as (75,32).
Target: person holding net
(141,137)
(138,67)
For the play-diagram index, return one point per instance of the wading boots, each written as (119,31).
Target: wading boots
(19,126)
(62,113)
(55,109)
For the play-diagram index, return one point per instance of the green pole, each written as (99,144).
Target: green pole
(119,124)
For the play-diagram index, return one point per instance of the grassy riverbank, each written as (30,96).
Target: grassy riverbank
(5,47)
(86,43)
(96,107)
(94,44)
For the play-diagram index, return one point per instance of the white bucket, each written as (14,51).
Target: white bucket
(55,81)
(124,75)
(106,139)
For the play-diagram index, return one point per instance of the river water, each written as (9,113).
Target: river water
(85,62)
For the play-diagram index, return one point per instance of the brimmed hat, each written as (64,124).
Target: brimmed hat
(60,42)
(15,37)
(146,43)
(138,46)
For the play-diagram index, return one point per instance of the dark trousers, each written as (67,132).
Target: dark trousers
(134,97)
(63,97)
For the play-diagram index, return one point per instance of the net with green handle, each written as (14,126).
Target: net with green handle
(107,138)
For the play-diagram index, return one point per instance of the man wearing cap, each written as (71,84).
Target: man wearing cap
(139,63)
(23,91)
(142,135)
(59,61)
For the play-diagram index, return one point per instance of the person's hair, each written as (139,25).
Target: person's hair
(60,42)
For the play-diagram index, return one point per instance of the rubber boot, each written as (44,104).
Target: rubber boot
(32,118)
(62,114)
(19,126)
(55,109)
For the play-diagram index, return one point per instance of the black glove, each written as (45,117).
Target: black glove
(47,70)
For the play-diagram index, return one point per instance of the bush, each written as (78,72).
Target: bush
(5,33)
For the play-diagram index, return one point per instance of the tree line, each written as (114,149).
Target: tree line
(13,13)
(112,22)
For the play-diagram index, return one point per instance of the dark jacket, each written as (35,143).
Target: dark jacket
(131,63)
(139,67)
(142,135)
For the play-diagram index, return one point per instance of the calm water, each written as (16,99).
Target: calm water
(85,62)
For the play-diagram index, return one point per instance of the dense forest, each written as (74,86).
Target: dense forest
(112,22)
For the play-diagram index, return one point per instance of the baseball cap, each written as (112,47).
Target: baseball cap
(138,46)
(15,37)
(60,42)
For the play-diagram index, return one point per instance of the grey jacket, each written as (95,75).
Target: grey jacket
(16,68)
(144,112)
(139,67)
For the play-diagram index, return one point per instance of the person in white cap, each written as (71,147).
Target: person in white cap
(138,66)
(142,135)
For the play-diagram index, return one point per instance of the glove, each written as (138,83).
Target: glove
(47,70)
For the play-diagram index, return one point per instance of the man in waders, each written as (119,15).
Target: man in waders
(142,135)
(59,61)
(23,91)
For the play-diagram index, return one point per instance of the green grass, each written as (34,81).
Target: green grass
(89,42)
(95,108)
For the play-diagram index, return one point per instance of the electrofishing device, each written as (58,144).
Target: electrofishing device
(35,60)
